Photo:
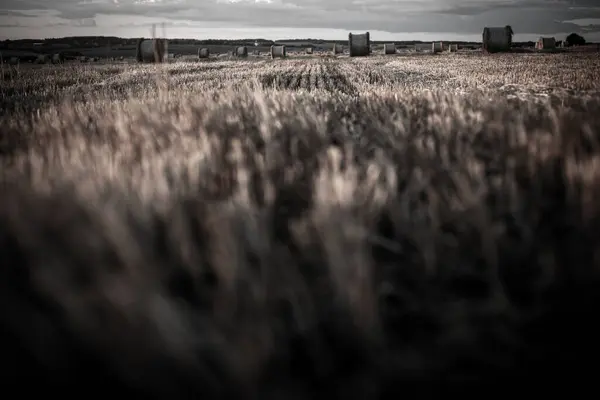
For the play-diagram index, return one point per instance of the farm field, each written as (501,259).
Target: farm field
(354,228)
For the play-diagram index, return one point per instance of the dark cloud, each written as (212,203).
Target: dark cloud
(85,23)
(15,14)
(467,16)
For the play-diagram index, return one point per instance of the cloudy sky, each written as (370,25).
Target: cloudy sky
(279,19)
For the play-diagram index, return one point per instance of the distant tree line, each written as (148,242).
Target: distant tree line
(104,41)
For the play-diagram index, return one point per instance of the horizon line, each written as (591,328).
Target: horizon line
(242,39)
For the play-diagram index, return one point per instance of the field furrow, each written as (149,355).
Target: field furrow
(295,79)
(336,81)
(315,69)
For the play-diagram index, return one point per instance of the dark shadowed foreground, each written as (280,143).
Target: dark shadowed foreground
(279,244)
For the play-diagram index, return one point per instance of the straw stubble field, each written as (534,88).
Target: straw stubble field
(355,228)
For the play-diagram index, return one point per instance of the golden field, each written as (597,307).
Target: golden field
(353,228)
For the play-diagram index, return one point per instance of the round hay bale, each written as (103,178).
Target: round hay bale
(241,51)
(309,50)
(203,52)
(338,48)
(43,59)
(359,44)
(151,50)
(437,47)
(453,48)
(57,58)
(389,48)
(278,52)
(497,39)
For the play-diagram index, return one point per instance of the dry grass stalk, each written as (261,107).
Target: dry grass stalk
(357,229)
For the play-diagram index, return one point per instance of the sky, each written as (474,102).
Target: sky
(397,20)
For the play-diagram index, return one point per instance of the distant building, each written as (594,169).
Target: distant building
(545,43)
(497,38)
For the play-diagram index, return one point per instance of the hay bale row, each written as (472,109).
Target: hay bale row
(359,44)
(419,47)
(84,59)
(203,52)
(278,52)
(389,48)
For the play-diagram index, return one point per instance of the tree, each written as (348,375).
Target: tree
(575,40)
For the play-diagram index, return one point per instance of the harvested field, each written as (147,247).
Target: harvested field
(355,228)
